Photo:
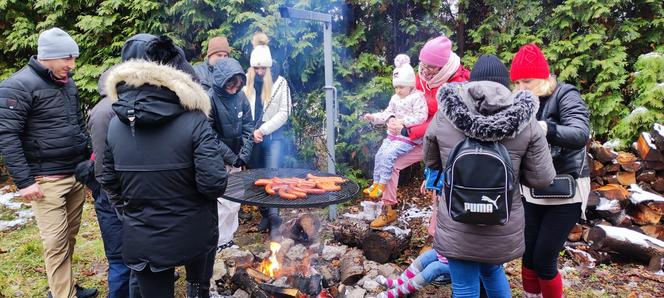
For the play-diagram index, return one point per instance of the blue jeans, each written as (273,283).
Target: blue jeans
(268,154)
(466,277)
(432,267)
(119,275)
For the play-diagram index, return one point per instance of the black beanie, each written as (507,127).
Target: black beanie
(490,68)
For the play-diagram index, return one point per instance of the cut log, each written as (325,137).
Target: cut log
(597,169)
(632,167)
(350,232)
(657,135)
(626,178)
(601,153)
(612,179)
(613,192)
(303,229)
(612,168)
(647,176)
(581,257)
(643,215)
(653,165)
(351,267)
(245,281)
(311,285)
(652,200)
(655,231)
(630,243)
(647,149)
(658,185)
(384,245)
(576,233)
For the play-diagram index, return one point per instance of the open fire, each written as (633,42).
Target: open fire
(270,266)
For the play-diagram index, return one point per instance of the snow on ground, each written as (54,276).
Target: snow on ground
(22,214)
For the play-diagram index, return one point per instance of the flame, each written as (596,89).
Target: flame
(270,266)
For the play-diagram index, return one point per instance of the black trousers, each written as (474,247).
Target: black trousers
(547,228)
(161,284)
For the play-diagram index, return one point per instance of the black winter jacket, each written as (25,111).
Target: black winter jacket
(42,131)
(204,72)
(231,114)
(162,163)
(568,130)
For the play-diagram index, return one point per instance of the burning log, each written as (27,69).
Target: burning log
(310,285)
(628,242)
(352,267)
(247,282)
(384,245)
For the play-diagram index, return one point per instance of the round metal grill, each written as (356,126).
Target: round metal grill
(241,189)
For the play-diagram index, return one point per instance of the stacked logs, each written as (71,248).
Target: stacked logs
(626,204)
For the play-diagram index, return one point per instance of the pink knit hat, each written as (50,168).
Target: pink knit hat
(436,51)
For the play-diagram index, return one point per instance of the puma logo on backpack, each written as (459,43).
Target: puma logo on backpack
(479,183)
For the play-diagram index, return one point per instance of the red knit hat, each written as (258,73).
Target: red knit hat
(529,63)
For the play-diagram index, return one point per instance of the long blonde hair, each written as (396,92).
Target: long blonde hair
(544,87)
(259,38)
(266,91)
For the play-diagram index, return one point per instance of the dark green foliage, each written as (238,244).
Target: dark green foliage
(589,43)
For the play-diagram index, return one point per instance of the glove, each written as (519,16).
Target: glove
(85,173)
(239,162)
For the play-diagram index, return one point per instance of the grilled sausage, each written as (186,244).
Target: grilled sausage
(262,182)
(286,196)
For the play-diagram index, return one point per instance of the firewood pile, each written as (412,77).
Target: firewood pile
(626,205)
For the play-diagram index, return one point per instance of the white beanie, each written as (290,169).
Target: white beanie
(56,44)
(260,56)
(403,74)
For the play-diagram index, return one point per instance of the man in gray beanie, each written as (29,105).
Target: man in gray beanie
(43,138)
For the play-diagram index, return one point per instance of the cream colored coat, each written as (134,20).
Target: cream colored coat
(276,110)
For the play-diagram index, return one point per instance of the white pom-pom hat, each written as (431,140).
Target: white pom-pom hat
(403,74)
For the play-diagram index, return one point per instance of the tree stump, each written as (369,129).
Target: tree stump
(629,243)
(350,232)
(351,267)
(384,245)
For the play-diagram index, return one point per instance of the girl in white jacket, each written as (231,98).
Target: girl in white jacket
(270,102)
(407,105)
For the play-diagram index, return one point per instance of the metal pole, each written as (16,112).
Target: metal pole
(330,112)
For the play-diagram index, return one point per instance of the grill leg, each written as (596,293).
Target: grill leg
(333,212)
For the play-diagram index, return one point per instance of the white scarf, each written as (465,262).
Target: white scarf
(445,73)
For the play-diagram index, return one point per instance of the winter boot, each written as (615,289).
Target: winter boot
(196,290)
(369,189)
(531,284)
(377,191)
(388,216)
(552,288)
(81,292)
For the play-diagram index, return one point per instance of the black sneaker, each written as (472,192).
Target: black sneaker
(82,292)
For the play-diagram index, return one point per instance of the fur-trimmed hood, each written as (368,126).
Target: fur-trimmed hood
(487,110)
(137,73)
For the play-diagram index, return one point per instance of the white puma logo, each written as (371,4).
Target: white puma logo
(494,202)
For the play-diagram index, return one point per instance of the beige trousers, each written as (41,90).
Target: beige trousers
(58,217)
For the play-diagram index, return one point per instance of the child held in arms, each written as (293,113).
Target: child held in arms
(406,105)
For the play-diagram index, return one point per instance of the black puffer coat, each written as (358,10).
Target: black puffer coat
(204,72)
(231,114)
(567,119)
(42,131)
(162,162)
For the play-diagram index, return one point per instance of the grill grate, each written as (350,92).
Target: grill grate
(241,189)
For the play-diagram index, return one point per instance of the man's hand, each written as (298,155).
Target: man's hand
(31,193)
(394,126)
(258,136)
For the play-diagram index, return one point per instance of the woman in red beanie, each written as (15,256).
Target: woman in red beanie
(551,213)
(438,65)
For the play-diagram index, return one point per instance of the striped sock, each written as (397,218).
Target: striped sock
(402,279)
(405,289)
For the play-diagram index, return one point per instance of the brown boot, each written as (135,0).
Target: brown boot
(388,216)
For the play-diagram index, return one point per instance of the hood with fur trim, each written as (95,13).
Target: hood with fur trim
(487,110)
(154,92)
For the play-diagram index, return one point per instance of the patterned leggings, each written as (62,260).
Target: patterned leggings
(385,157)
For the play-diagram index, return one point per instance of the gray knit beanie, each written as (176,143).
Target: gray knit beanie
(55,44)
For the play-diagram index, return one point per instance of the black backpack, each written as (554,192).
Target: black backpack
(479,183)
